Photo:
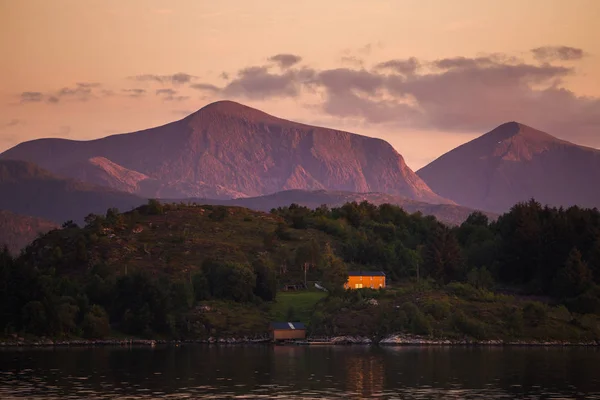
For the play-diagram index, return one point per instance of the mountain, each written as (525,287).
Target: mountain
(515,163)
(447,213)
(17,231)
(228,150)
(30,190)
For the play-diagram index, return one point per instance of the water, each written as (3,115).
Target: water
(298,372)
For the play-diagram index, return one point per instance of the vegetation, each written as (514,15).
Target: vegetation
(191,271)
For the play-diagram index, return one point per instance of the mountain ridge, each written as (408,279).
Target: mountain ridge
(449,214)
(513,163)
(32,191)
(227,150)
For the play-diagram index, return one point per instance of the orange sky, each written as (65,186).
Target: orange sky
(48,47)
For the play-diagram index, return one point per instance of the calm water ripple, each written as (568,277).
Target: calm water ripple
(296,372)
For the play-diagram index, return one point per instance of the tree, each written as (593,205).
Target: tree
(201,286)
(155,207)
(574,278)
(442,256)
(335,273)
(266,278)
(308,256)
(35,319)
(240,282)
(95,323)
(182,295)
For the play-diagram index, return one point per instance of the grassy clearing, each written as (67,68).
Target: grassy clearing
(299,305)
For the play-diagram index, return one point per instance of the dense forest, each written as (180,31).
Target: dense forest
(191,271)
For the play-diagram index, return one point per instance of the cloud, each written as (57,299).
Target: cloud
(285,60)
(259,83)
(88,84)
(168,92)
(552,53)
(179,78)
(206,87)
(82,91)
(31,97)
(136,93)
(352,60)
(404,66)
(170,95)
(463,94)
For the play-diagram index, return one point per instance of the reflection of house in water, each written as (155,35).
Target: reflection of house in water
(365,375)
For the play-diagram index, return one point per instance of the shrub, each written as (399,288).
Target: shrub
(463,290)
(438,309)
(561,313)
(586,303)
(468,326)
(417,322)
(514,320)
(535,312)
(154,207)
(95,323)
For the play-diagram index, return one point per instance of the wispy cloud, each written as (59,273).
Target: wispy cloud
(31,97)
(82,91)
(170,95)
(552,53)
(179,78)
(135,93)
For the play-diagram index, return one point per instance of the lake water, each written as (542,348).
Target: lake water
(299,372)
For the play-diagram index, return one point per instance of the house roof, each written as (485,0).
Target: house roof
(287,325)
(366,273)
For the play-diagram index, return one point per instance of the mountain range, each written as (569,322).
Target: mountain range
(228,150)
(34,191)
(227,153)
(514,163)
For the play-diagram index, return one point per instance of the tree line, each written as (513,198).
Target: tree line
(63,288)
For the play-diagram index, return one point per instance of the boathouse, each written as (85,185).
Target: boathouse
(287,330)
(365,279)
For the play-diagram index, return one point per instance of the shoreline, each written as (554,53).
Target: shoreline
(390,341)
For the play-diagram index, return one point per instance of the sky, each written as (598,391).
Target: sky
(425,75)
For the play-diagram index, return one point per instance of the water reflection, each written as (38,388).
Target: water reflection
(365,374)
(211,372)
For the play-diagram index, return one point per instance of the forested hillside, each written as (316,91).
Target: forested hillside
(190,271)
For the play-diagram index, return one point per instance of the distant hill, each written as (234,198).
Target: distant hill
(514,163)
(447,213)
(17,231)
(30,190)
(228,150)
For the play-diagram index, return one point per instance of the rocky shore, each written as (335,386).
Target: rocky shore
(392,340)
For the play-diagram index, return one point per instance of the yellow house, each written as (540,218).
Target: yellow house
(365,279)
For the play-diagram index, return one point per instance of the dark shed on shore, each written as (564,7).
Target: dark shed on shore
(287,330)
